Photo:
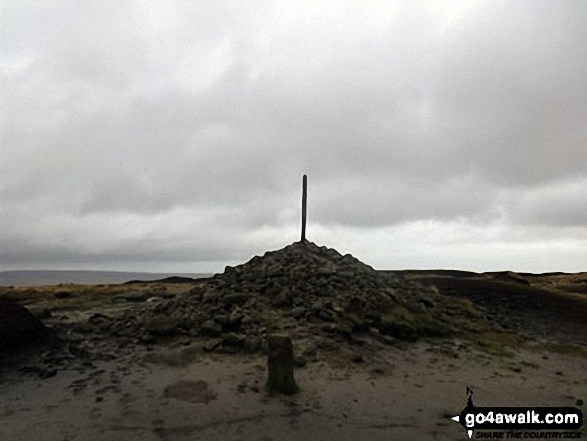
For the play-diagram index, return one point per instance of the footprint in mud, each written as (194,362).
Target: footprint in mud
(190,391)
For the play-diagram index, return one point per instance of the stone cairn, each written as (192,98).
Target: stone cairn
(302,287)
(303,290)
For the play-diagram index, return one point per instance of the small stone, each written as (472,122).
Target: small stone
(232,339)
(208,296)
(147,339)
(250,303)
(235,319)
(211,328)
(134,296)
(298,312)
(211,345)
(326,315)
(83,327)
(252,344)
(98,318)
(40,312)
(47,373)
(163,325)
(272,291)
(247,320)
(221,319)
(283,298)
(378,369)
(324,343)
(235,299)
(300,361)
(386,339)
(427,302)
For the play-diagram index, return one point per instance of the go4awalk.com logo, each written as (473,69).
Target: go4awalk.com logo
(535,422)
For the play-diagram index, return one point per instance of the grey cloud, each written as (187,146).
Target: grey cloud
(559,204)
(361,203)
(398,113)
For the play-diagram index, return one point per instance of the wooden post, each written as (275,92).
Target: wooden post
(280,363)
(304,197)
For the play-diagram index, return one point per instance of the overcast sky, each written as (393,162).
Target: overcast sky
(173,136)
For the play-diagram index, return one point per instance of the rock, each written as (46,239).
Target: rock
(221,319)
(271,291)
(311,352)
(280,364)
(247,321)
(378,369)
(235,299)
(163,306)
(163,325)
(147,339)
(283,298)
(209,296)
(99,318)
(345,329)
(420,307)
(390,293)
(330,328)
(134,296)
(40,312)
(211,345)
(211,328)
(232,339)
(250,303)
(41,372)
(100,322)
(325,343)
(298,312)
(300,361)
(385,302)
(427,302)
(386,339)
(18,328)
(235,318)
(84,327)
(357,324)
(358,358)
(252,344)
(324,314)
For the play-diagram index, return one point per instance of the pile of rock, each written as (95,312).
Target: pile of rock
(314,291)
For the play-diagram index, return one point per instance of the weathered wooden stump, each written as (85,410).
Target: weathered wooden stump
(280,362)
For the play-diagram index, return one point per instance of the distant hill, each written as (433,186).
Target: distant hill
(30,278)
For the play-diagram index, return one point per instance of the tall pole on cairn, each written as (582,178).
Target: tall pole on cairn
(304,197)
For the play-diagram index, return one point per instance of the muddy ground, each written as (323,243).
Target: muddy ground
(87,386)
